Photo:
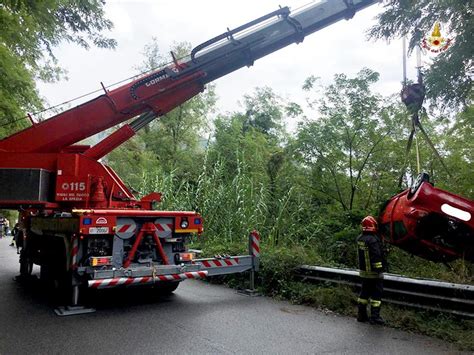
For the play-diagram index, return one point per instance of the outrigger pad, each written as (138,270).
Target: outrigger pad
(248,292)
(72,310)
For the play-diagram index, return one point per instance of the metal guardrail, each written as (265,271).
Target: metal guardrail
(412,292)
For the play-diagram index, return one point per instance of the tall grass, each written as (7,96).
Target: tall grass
(231,205)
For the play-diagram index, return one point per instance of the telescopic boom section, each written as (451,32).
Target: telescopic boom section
(159,92)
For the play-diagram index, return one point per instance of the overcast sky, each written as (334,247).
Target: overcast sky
(340,48)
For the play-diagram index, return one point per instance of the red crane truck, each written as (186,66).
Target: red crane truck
(81,223)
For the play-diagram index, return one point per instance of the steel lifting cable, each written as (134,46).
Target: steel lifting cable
(412,133)
(430,143)
(416,118)
(413,96)
(418,167)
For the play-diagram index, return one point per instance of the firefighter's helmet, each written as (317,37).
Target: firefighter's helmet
(369,224)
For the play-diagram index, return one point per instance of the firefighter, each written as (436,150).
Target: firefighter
(15,230)
(19,239)
(371,266)
(12,244)
(6,226)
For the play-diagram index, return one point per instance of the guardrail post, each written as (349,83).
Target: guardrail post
(254,252)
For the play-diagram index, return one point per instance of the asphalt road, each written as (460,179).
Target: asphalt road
(198,319)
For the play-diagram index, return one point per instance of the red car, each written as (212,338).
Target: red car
(429,222)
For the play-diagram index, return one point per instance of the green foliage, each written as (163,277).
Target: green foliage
(335,298)
(348,143)
(459,146)
(231,208)
(31,27)
(30,31)
(439,325)
(263,111)
(233,143)
(277,266)
(246,151)
(133,163)
(449,78)
(249,178)
(400,262)
(17,92)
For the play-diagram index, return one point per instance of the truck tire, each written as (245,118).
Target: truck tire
(26,264)
(26,257)
(53,269)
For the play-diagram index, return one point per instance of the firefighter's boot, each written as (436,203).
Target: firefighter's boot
(375,316)
(362,313)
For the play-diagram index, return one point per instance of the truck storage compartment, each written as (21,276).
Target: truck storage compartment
(25,185)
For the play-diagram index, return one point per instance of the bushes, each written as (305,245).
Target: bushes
(339,299)
(439,325)
(400,262)
(277,266)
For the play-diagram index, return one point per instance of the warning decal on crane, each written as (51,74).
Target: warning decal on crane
(164,227)
(126,228)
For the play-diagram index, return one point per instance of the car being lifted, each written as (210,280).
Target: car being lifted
(429,222)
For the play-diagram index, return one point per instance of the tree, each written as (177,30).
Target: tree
(255,134)
(264,111)
(458,150)
(348,147)
(238,146)
(17,93)
(449,79)
(30,31)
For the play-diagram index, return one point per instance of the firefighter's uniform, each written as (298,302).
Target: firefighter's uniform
(371,266)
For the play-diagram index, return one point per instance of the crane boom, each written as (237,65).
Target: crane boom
(165,89)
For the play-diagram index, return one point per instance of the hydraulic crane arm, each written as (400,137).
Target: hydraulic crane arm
(159,92)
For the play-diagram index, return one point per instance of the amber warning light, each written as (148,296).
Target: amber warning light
(187,256)
(99,261)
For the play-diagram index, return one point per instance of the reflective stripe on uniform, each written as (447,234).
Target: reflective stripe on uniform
(375,303)
(367,259)
(377,265)
(365,249)
(362,301)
